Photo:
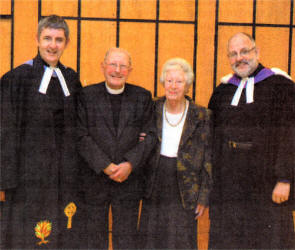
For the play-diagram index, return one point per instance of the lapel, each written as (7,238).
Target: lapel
(191,122)
(105,107)
(159,114)
(128,105)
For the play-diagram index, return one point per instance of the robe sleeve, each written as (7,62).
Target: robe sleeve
(284,116)
(9,131)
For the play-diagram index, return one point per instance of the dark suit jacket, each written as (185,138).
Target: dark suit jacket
(194,156)
(99,143)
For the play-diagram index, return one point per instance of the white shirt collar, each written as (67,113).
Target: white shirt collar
(114,91)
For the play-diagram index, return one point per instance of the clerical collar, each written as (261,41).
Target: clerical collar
(114,91)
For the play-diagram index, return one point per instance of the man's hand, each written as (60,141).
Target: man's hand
(281,192)
(199,211)
(110,169)
(122,172)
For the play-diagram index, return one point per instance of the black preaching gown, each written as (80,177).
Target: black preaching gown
(38,157)
(253,151)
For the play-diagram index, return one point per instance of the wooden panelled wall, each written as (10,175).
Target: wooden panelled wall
(153,31)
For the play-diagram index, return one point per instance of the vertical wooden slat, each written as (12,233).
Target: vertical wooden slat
(273,11)
(273,52)
(175,40)
(5,31)
(205,52)
(25,30)
(143,70)
(69,57)
(96,38)
(99,8)
(239,11)
(60,7)
(177,10)
(5,7)
(138,9)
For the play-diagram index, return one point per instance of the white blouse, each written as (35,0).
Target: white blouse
(171,135)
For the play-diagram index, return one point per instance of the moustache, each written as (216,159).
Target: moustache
(237,64)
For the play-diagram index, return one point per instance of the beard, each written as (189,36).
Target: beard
(251,66)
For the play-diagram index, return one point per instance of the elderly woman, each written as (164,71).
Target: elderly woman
(179,171)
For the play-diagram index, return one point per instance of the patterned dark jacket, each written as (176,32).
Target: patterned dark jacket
(194,155)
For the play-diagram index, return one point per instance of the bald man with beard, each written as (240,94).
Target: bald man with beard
(253,171)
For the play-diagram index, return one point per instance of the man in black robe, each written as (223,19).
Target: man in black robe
(38,154)
(253,173)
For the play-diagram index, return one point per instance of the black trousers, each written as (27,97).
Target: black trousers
(124,205)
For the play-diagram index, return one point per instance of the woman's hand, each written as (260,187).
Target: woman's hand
(199,211)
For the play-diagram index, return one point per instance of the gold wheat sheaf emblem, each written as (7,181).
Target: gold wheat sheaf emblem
(43,230)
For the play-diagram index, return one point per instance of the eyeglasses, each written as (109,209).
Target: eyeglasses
(243,52)
(114,66)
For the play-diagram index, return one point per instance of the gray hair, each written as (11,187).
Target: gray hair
(54,22)
(115,49)
(178,63)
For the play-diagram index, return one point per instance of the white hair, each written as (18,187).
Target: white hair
(178,63)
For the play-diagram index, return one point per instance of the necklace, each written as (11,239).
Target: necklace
(181,118)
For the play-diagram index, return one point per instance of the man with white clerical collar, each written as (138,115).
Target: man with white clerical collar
(254,164)
(111,116)
(38,155)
